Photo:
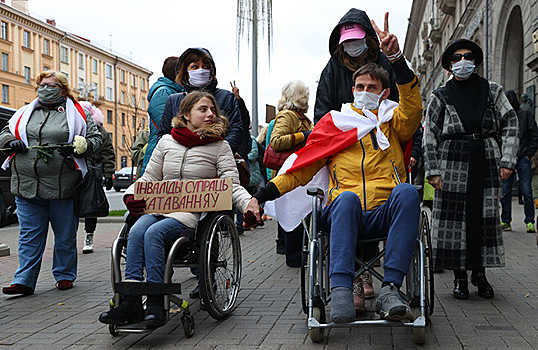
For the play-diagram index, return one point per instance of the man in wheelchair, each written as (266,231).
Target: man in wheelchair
(367,196)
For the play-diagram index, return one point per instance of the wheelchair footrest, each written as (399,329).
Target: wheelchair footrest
(145,288)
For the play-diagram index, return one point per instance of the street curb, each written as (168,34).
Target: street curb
(110,219)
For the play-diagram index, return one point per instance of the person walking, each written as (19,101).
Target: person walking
(45,167)
(103,163)
(470,143)
(157,96)
(528,144)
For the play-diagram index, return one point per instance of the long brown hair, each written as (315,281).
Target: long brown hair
(354,63)
(182,76)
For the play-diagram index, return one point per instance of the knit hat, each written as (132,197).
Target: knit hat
(350,31)
(461,44)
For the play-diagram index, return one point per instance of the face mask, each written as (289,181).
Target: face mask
(463,69)
(48,94)
(199,77)
(367,100)
(355,48)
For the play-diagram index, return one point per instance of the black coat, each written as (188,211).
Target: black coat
(528,134)
(226,102)
(336,81)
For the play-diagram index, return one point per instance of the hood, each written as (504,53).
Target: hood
(213,84)
(163,81)
(352,16)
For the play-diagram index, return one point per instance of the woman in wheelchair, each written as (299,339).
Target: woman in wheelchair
(194,150)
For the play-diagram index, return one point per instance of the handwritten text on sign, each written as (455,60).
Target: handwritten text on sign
(185,195)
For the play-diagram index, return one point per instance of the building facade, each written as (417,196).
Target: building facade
(506,30)
(116,85)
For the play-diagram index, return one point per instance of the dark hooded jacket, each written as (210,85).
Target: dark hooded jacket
(226,101)
(336,81)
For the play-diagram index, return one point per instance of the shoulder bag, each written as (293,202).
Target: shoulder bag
(90,198)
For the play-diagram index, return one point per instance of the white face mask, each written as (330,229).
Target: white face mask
(367,100)
(463,69)
(355,48)
(199,77)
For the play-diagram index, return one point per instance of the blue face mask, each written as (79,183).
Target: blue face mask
(463,69)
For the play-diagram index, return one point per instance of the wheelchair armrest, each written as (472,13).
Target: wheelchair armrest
(315,191)
(130,219)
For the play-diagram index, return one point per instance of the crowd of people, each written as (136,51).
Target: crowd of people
(369,129)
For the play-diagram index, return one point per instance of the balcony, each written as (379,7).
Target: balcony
(427,54)
(436,35)
(447,6)
(422,68)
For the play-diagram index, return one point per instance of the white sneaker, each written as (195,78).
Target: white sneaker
(88,244)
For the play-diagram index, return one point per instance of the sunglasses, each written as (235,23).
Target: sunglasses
(469,56)
(47,85)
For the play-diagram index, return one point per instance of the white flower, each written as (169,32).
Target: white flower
(80,144)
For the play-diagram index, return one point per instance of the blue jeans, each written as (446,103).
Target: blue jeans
(524,172)
(34,217)
(397,219)
(146,246)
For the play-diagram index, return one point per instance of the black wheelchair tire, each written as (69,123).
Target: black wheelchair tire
(220,265)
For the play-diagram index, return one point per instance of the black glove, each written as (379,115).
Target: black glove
(66,150)
(306,134)
(18,146)
(108,183)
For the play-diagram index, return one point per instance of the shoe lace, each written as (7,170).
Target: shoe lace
(367,278)
(358,290)
(393,296)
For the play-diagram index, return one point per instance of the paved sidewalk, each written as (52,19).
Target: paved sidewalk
(268,315)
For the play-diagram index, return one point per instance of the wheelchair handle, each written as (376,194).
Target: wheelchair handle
(315,191)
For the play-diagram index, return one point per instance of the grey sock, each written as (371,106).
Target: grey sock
(342,309)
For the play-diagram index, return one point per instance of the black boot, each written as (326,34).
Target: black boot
(155,313)
(130,310)
(485,290)
(461,286)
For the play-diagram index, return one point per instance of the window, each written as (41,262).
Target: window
(95,66)
(108,71)
(5,93)
(26,39)
(133,101)
(109,116)
(3,31)
(66,75)
(81,60)
(5,57)
(122,98)
(143,123)
(133,80)
(143,84)
(108,95)
(81,83)
(143,103)
(64,54)
(46,68)
(123,119)
(46,47)
(134,122)
(122,76)
(123,140)
(27,75)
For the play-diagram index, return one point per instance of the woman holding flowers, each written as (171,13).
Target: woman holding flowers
(48,140)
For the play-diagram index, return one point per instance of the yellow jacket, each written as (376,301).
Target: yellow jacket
(364,168)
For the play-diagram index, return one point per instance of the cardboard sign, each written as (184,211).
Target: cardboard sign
(185,195)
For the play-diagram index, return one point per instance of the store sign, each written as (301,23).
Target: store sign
(535,40)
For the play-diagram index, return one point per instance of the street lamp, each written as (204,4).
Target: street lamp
(86,89)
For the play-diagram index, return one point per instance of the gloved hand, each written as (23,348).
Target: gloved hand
(66,150)
(108,183)
(306,134)
(250,221)
(135,207)
(18,146)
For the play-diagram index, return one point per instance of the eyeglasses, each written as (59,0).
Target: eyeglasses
(52,85)
(469,56)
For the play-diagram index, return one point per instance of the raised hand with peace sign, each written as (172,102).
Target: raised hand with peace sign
(389,43)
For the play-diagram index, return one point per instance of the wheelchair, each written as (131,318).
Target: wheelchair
(214,248)
(315,282)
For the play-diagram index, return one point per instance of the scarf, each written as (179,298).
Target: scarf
(190,139)
(469,98)
(76,121)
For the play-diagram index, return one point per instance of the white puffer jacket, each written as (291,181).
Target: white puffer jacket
(173,161)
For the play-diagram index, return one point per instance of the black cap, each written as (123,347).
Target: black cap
(461,44)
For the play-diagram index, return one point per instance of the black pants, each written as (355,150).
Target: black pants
(293,245)
(90,224)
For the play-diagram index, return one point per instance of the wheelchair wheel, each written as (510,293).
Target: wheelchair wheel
(188,325)
(112,330)
(220,265)
(428,262)
(305,273)
(317,334)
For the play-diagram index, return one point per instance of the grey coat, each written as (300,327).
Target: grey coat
(450,159)
(54,178)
